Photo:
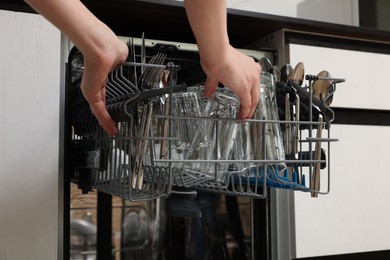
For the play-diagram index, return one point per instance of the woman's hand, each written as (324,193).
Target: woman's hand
(93,84)
(101,48)
(220,61)
(239,73)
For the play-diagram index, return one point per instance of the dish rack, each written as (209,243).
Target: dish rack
(137,163)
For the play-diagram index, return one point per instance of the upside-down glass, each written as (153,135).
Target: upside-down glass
(253,137)
(186,105)
(178,129)
(214,138)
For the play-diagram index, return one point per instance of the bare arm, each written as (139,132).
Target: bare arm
(220,61)
(102,50)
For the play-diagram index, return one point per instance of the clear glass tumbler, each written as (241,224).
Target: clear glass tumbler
(178,129)
(214,139)
(261,140)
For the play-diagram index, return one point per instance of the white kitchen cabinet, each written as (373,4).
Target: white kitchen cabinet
(29,137)
(353,217)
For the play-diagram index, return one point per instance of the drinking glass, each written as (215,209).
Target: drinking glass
(178,129)
(185,105)
(258,140)
(214,138)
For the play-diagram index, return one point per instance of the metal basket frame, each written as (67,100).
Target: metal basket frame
(110,164)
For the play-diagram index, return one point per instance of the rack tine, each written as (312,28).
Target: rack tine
(121,83)
(113,89)
(143,52)
(109,94)
(130,84)
(296,134)
(119,87)
(130,43)
(114,80)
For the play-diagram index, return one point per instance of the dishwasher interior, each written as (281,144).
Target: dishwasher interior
(184,178)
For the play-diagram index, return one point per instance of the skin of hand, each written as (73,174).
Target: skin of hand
(101,48)
(220,61)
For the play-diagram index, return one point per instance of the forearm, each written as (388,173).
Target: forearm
(208,23)
(101,48)
(220,61)
(70,16)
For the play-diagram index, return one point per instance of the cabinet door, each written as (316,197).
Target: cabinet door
(29,136)
(354,217)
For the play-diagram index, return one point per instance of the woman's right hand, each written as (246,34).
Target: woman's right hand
(239,73)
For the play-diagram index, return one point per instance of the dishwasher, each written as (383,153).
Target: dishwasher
(183,178)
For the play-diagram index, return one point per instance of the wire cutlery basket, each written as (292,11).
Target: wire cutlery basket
(171,138)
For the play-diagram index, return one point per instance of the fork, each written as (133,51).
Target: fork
(150,79)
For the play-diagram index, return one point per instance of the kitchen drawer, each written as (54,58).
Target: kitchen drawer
(354,216)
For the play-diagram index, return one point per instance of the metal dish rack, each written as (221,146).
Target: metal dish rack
(127,164)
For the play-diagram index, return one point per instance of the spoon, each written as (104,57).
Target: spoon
(322,87)
(298,73)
